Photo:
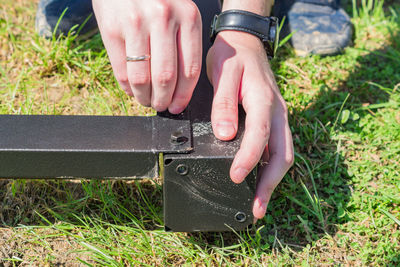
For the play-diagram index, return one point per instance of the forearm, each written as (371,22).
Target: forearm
(261,7)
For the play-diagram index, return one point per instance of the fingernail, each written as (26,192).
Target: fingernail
(225,129)
(239,174)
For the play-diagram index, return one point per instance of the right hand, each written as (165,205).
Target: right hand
(238,67)
(168,30)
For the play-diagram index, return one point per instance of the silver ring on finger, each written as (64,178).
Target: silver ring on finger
(138,58)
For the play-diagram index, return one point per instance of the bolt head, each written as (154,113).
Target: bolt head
(177,138)
(176,135)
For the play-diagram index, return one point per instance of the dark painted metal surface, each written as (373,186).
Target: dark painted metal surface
(87,146)
(198,192)
(203,197)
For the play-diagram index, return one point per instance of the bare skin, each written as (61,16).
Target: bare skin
(171,30)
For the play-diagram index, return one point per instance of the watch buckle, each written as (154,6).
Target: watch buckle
(212,29)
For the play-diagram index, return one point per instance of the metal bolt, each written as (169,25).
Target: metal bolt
(240,217)
(177,138)
(182,169)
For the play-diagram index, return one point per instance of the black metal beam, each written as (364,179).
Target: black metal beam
(88,146)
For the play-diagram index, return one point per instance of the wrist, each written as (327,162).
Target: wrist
(260,7)
(242,39)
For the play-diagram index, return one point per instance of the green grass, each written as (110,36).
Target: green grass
(338,205)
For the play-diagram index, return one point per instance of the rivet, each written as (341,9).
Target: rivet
(182,169)
(240,217)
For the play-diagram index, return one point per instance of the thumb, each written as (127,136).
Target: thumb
(224,114)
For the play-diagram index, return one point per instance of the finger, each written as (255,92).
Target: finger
(189,62)
(114,43)
(139,71)
(163,64)
(258,107)
(115,47)
(224,113)
(281,159)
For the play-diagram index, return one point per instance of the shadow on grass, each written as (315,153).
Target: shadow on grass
(42,202)
(288,222)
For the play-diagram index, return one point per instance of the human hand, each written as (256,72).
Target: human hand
(170,31)
(239,70)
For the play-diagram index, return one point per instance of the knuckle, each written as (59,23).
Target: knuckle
(121,79)
(109,31)
(165,77)
(225,104)
(286,159)
(163,11)
(193,71)
(192,13)
(269,99)
(289,159)
(135,22)
(263,130)
(139,79)
(128,91)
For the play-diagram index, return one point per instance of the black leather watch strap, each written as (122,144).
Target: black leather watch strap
(264,28)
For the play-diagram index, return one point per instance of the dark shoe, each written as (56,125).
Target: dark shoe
(317,26)
(78,11)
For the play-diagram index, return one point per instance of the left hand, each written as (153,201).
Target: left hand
(239,70)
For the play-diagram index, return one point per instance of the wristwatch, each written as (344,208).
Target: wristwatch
(265,28)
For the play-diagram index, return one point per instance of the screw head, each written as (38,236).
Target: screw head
(240,217)
(177,138)
(182,169)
